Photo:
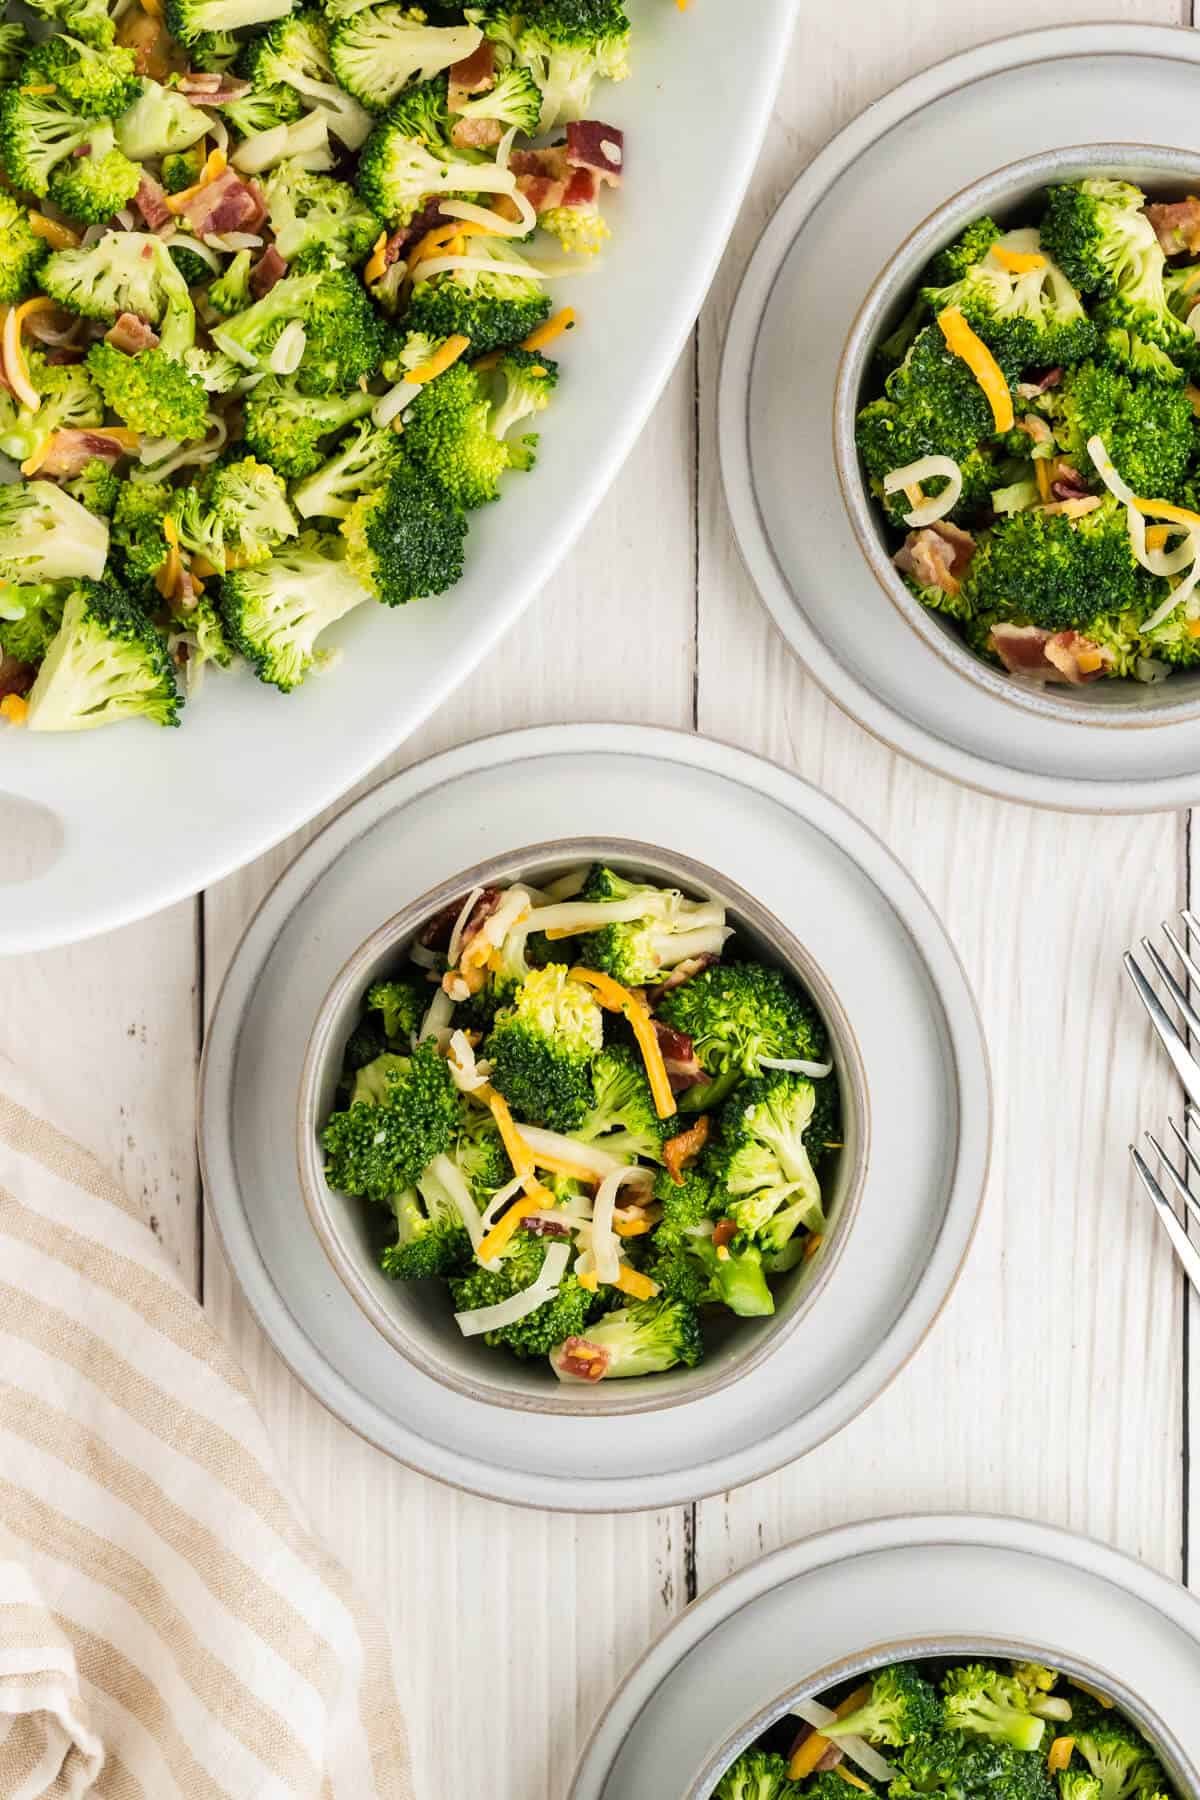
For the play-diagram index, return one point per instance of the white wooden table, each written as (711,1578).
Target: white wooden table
(1055,1384)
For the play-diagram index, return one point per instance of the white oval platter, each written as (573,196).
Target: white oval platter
(865,925)
(99,829)
(813,267)
(889,1582)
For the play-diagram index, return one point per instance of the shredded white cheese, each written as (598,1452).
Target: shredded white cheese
(506,1312)
(927,468)
(859,1751)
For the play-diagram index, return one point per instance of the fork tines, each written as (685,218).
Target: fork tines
(1174,1227)
(1170,1036)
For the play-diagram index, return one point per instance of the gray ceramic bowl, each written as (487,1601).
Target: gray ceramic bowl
(1007,195)
(1177,1764)
(416,1318)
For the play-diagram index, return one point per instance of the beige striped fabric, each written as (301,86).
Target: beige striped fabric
(169,1627)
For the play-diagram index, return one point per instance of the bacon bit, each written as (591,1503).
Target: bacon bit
(1176,225)
(435,933)
(474,74)
(1066,483)
(937,555)
(59,237)
(600,148)
(440,361)
(475,134)
(553,328)
(131,334)
(724,1233)
(683,1066)
(681,1149)
(67,453)
(546,1228)
(14,708)
(213,89)
(684,971)
(587,1361)
(269,269)
(141,30)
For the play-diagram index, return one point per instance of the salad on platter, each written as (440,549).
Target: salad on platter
(987,1729)
(276,302)
(1033,440)
(600,1126)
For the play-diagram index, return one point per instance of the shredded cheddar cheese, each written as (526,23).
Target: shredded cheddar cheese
(1165,509)
(59,237)
(215,164)
(635,1284)
(1018,262)
(518,1151)
(562,1165)
(862,1786)
(120,434)
(974,352)
(631,1227)
(813,1245)
(440,361)
(377,262)
(37,89)
(546,334)
(1041,471)
(1089,661)
(1193,628)
(166,579)
(588,1281)
(616,998)
(14,708)
(1156,537)
(506,1226)
(1060,1753)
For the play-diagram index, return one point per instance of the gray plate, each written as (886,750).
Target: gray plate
(864,923)
(872,185)
(907,1584)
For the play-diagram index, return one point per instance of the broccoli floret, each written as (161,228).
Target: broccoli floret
(529,380)
(191,20)
(687,1204)
(1120,348)
(410,157)
(1029,319)
(30,615)
(288,429)
(1120,1760)
(981,1701)
(688,1266)
(932,406)
(902,1706)
(1058,573)
(70,400)
(150,391)
(668,930)
(45,535)
(295,53)
(14,46)
(236,516)
(380,50)
(87,19)
(567,45)
(124,271)
(405,540)
(160,121)
(106,663)
(361,465)
(276,611)
(952,263)
(343,336)
(1097,232)
(431,1238)
(1079,1784)
(262,109)
(759,1154)
(403,1112)
(181,169)
(737,1013)
(37,131)
(317,219)
(1147,428)
(758,1775)
(139,544)
(622,1118)
(96,486)
(100,83)
(93,187)
(643,1339)
(401,1004)
(22,252)
(214,51)
(1035,1678)
(216,372)
(230,292)
(561,1317)
(481,1156)
(953,1766)
(513,99)
(581,230)
(542,1048)
(194,270)
(492,310)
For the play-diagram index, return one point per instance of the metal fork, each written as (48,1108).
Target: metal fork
(1169,1034)
(1174,1227)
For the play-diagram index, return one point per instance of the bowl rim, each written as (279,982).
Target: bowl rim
(1178,1764)
(389,936)
(1044,699)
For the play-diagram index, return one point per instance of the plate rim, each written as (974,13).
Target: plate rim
(28,935)
(844,687)
(966,1041)
(842,1543)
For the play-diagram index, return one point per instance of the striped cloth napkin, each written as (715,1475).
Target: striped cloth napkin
(168,1624)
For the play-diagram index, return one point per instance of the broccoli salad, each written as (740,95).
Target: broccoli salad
(594,1119)
(1034,439)
(984,1730)
(275,301)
